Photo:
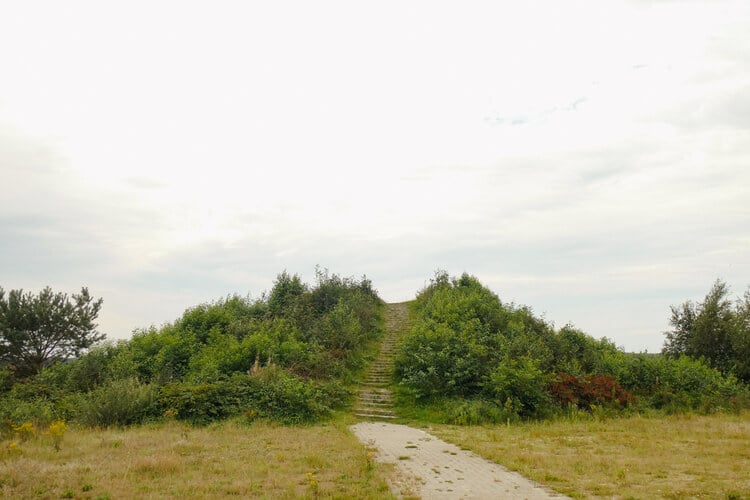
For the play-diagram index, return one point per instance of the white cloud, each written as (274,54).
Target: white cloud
(588,159)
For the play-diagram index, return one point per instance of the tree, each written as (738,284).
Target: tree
(713,330)
(682,320)
(37,330)
(741,338)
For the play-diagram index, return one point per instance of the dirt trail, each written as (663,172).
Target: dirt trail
(428,467)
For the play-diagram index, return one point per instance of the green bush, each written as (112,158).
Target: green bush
(271,393)
(222,355)
(286,297)
(477,412)
(281,396)
(459,301)
(676,384)
(39,411)
(117,403)
(205,402)
(578,354)
(520,385)
(163,355)
(198,322)
(463,336)
(435,360)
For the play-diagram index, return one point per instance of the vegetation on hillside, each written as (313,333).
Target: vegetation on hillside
(288,356)
(292,355)
(471,358)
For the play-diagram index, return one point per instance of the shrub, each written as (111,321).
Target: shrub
(670,402)
(579,354)
(205,402)
(281,396)
(478,411)
(676,384)
(434,360)
(459,301)
(198,322)
(39,411)
(90,370)
(163,355)
(588,391)
(286,295)
(271,393)
(519,384)
(120,402)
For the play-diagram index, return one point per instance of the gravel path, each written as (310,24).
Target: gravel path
(431,468)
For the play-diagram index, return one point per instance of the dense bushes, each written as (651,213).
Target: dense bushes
(482,360)
(119,402)
(676,384)
(287,356)
(290,356)
(271,393)
(588,391)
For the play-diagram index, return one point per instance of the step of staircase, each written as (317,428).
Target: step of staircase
(373,384)
(386,398)
(375,404)
(370,415)
(380,398)
(375,400)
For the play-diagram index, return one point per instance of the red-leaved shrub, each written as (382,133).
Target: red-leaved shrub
(588,390)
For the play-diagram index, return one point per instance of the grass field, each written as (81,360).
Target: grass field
(684,456)
(677,457)
(173,461)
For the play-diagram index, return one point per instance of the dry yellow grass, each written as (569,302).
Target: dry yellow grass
(673,457)
(173,461)
(676,457)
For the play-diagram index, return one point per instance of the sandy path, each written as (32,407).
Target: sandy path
(431,468)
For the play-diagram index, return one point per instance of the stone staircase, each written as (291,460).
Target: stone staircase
(375,400)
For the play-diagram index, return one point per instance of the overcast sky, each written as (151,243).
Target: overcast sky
(589,159)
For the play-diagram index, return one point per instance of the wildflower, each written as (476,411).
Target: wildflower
(56,430)
(25,431)
(312,482)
